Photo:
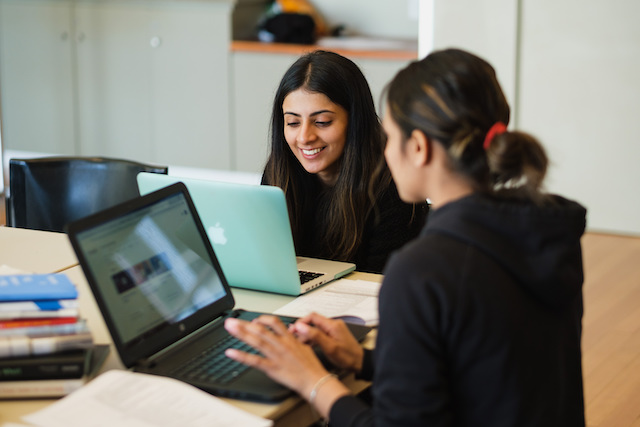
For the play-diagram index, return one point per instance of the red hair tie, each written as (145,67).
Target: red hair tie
(498,128)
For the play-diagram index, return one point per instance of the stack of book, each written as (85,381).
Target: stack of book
(46,348)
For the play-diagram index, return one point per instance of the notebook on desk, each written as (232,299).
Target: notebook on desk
(164,296)
(249,228)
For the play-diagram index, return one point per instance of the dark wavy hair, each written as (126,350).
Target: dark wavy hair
(361,176)
(454,97)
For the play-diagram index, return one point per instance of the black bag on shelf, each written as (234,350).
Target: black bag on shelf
(290,28)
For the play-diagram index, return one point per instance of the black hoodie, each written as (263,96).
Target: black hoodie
(480,321)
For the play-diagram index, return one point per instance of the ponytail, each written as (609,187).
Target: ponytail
(454,98)
(517,165)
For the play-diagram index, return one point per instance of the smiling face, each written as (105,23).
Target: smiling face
(316,130)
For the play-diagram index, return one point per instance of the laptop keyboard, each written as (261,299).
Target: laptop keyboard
(213,365)
(306,276)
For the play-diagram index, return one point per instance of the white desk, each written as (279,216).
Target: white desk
(35,251)
(291,412)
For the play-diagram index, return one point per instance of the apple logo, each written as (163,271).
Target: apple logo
(216,234)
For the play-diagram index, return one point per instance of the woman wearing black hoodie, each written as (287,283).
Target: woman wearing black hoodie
(480,316)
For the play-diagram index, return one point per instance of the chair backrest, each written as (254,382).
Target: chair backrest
(47,193)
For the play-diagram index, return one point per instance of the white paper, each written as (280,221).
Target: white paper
(355,301)
(128,399)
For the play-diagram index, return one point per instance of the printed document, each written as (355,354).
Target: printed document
(355,301)
(131,399)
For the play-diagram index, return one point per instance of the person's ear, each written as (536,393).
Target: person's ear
(420,147)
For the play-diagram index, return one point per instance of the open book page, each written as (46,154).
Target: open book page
(124,398)
(355,301)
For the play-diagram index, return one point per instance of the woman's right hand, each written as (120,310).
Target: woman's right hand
(333,337)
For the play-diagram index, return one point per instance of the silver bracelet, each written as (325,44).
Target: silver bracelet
(318,384)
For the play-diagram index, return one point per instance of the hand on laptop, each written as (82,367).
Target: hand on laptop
(334,339)
(285,359)
(282,357)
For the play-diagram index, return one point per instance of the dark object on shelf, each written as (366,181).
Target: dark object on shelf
(291,28)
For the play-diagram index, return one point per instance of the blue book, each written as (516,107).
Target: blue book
(10,310)
(36,287)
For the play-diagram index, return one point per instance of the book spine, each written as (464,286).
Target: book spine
(28,323)
(49,305)
(29,287)
(35,314)
(39,388)
(42,371)
(26,346)
(80,326)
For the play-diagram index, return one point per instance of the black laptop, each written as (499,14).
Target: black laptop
(164,296)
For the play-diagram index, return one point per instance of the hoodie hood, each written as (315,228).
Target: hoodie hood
(538,245)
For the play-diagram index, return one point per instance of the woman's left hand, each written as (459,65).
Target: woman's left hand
(283,357)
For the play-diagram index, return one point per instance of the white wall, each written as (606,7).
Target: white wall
(485,27)
(570,70)
(387,18)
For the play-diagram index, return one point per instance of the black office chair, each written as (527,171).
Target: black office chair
(47,193)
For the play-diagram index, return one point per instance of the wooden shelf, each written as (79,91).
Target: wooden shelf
(299,49)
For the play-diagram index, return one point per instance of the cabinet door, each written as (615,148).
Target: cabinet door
(114,79)
(36,76)
(153,81)
(379,72)
(255,80)
(190,84)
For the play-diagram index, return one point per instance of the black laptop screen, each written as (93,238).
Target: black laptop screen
(151,267)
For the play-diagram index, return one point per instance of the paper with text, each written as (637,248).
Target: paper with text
(129,399)
(355,301)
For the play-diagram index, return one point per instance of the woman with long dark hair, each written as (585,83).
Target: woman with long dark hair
(327,155)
